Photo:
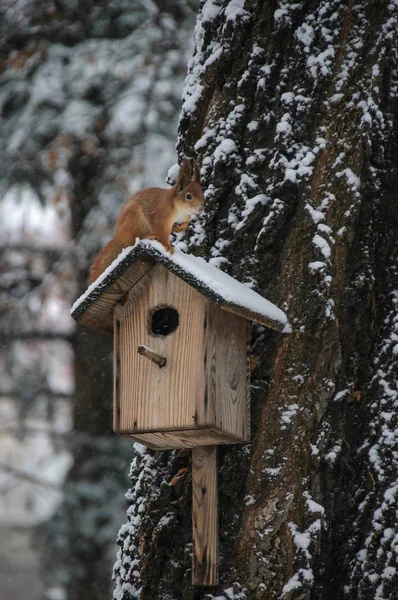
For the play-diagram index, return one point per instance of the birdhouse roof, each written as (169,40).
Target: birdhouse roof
(95,308)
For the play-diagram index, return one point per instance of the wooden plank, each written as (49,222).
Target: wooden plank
(153,399)
(187,438)
(251,315)
(227,374)
(99,311)
(116,375)
(205,516)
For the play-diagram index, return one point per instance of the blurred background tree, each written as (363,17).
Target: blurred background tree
(89,99)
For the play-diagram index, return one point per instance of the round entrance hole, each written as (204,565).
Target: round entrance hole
(164,321)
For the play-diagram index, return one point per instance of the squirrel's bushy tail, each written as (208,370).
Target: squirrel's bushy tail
(104,259)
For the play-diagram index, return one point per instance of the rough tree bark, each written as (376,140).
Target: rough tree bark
(292,111)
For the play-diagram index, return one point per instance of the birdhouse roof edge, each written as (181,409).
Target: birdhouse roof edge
(117,280)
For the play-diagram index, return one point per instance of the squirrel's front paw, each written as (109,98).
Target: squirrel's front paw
(179,227)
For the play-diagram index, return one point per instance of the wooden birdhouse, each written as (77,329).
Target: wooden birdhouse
(181,362)
(181,333)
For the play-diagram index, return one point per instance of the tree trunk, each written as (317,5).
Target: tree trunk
(292,112)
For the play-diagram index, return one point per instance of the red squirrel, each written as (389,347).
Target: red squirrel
(153,214)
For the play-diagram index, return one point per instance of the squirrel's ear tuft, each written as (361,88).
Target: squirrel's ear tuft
(184,175)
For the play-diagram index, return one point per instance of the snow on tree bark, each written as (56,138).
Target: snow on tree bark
(291,110)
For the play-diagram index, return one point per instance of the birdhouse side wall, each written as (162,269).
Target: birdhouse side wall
(227,374)
(149,398)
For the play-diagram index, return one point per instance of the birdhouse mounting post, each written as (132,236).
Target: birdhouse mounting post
(205,516)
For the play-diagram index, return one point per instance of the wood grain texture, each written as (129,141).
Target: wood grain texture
(201,396)
(99,312)
(116,375)
(185,438)
(251,315)
(153,399)
(205,516)
(226,403)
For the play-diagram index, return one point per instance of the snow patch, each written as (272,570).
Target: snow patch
(323,245)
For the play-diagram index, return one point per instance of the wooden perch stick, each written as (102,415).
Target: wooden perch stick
(153,356)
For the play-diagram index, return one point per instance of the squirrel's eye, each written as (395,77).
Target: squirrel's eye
(188,196)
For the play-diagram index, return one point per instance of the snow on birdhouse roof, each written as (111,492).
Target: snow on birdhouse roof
(94,308)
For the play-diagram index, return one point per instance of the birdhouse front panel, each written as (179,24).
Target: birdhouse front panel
(165,315)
